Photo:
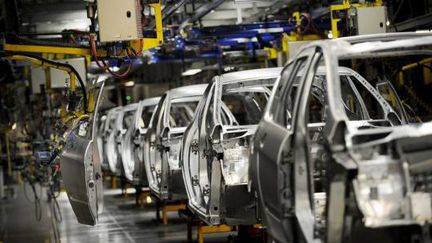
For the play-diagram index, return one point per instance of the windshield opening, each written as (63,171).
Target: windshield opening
(181,113)
(247,107)
(128,119)
(401,85)
(146,116)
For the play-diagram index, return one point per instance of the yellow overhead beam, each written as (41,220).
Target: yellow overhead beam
(142,44)
(47,49)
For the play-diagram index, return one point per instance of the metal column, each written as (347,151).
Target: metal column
(2,188)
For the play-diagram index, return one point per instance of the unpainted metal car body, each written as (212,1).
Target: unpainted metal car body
(81,167)
(215,149)
(133,142)
(110,148)
(124,120)
(100,139)
(163,140)
(124,123)
(329,167)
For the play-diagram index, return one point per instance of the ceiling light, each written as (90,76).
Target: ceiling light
(148,200)
(129,84)
(191,72)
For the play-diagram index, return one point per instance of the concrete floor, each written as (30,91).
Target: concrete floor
(121,221)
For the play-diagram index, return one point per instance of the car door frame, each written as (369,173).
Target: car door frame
(205,146)
(191,145)
(334,134)
(303,203)
(151,142)
(270,132)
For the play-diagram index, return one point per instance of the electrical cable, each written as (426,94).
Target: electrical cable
(26,193)
(54,223)
(55,64)
(38,208)
(135,54)
(104,65)
(55,207)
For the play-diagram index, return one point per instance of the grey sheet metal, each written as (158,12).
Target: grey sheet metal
(133,143)
(211,148)
(81,169)
(162,143)
(123,124)
(110,148)
(100,139)
(377,183)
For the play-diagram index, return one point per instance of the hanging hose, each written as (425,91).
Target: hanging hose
(55,221)
(55,207)
(36,200)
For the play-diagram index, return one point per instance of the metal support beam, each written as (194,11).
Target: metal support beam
(2,187)
(239,14)
(201,12)
(8,154)
(167,12)
(47,49)
(275,7)
(413,24)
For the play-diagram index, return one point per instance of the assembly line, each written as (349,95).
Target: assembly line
(275,121)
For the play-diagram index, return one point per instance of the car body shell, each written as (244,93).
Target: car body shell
(211,147)
(110,146)
(133,142)
(163,141)
(281,155)
(100,139)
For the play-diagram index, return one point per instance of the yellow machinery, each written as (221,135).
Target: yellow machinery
(142,44)
(295,36)
(345,5)
(171,208)
(23,52)
(427,74)
(206,229)
(144,198)
(20,52)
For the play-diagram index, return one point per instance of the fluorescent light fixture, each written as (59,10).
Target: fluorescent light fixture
(129,84)
(115,69)
(191,72)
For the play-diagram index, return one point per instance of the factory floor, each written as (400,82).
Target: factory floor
(122,221)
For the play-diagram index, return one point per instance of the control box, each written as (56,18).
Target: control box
(119,20)
(371,20)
